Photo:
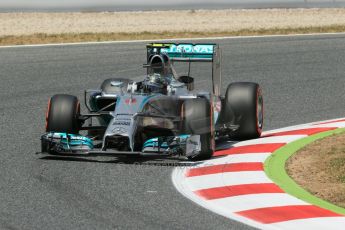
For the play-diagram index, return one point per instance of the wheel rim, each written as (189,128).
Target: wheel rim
(259,111)
(47,114)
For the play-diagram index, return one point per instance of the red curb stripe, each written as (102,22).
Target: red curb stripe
(309,131)
(233,167)
(329,122)
(238,190)
(285,213)
(258,148)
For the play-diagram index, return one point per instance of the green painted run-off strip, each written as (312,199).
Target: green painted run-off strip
(275,170)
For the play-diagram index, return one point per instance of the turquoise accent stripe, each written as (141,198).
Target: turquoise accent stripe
(145,101)
(82,140)
(152,145)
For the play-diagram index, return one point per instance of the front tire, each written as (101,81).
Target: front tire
(196,114)
(63,114)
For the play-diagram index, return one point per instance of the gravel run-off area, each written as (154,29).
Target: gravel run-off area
(173,21)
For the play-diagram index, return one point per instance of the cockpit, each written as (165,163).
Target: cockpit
(159,74)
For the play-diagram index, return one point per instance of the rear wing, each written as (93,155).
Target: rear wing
(189,52)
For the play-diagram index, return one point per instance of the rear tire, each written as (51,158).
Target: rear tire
(62,114)
(243,106)
(196,115)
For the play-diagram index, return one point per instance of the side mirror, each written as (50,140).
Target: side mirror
(189,81)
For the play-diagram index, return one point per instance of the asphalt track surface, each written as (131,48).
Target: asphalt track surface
(302,78)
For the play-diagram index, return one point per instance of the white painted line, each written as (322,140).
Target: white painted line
(253,201)
(290,128)
(330,120)
(309,125)
(306,125)
(173,39)
(270,140)
(334,125)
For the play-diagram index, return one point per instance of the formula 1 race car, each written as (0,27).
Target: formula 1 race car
(160,115)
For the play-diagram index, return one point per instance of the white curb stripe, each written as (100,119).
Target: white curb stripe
(253,201)
(226,179)
(229,205)
(178,181)
(324,223)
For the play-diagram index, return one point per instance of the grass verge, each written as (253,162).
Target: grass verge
(275,169)
(42,38)
(320,168)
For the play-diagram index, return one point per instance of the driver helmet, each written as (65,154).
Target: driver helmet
(156,83)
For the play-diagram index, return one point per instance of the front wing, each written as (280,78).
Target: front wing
(77,145)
